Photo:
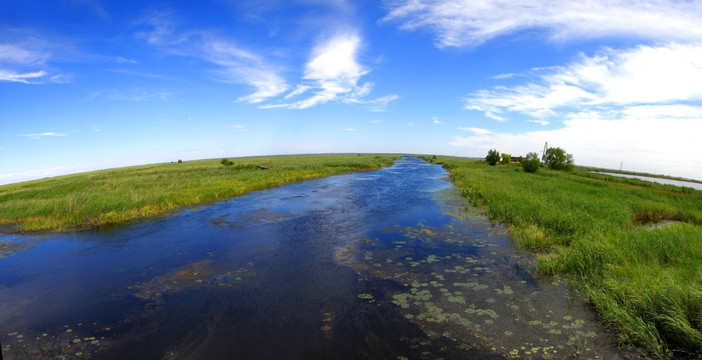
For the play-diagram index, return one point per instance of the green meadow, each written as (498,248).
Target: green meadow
(119,195)
(633,248)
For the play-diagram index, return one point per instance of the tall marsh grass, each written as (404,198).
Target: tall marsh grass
(633,247)
(120,195)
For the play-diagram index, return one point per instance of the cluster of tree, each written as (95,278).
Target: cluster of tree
(554,158)
(493,157)
(226,162)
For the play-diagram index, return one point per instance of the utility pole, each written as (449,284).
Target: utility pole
(543,155)
(621,165)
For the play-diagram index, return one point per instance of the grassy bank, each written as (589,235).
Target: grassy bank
(120,195)
(634,248)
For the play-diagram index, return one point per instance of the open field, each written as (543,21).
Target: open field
(634,248)
(120,195)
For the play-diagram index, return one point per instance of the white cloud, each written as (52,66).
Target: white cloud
(136,94)
(646,138)
(333,73)
(26,62)
(503,76)
(642,75)
(238,128)
(122,60)
(44,134)
(436,121)
(468,23)
(27,78)
(476,131)
(236,64)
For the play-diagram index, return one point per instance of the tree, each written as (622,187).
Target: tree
(226,162)
(557,159)
(492,157)
(506,159)
(531,163)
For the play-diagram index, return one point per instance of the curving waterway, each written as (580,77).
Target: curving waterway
(389,264)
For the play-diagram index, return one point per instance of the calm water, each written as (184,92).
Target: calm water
(689,184)
(378,265)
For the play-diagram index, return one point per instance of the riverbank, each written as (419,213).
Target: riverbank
(634,250)
(117,196)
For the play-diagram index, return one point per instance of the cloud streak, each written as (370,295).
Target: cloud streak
(26,63)
(235,63)
(44,134)
(333,73)
(612,79)
(468,23)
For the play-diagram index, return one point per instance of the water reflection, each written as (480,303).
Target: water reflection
(384,264)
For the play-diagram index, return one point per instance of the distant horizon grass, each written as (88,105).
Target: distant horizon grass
(634,248)
(117,196)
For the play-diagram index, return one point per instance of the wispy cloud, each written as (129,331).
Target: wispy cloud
(467,23)
(333,73)
(44,134)
(122,60)
(435,120)
(642,75)
(476,131)
(238,128)
(26,62)
(136,95)
(235,63)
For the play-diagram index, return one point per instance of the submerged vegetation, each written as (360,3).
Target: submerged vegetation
(633,247)
(120,195)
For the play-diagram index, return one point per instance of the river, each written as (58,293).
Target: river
(389,264)
(663,181)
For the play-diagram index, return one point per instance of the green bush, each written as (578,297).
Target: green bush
(226,162)
(530,163)
(557,159)
(506,159)
(492,157)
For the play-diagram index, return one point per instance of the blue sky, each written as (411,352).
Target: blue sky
(90,84)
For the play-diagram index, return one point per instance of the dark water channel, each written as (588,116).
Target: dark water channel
(376,265)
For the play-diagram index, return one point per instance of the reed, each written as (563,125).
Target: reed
(634,248)
(120,195)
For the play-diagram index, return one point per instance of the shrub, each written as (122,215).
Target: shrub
(492,157)
(530,163)
(506,159)
(180,161)
(226,162)
(558,159)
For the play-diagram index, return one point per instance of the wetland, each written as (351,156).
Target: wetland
(392,263)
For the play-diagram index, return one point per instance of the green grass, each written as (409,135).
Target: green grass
(119,195)
(634,248)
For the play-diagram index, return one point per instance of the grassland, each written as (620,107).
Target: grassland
(119,195)
(633,248)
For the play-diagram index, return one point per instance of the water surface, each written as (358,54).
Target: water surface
(387,264)
(680,183)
